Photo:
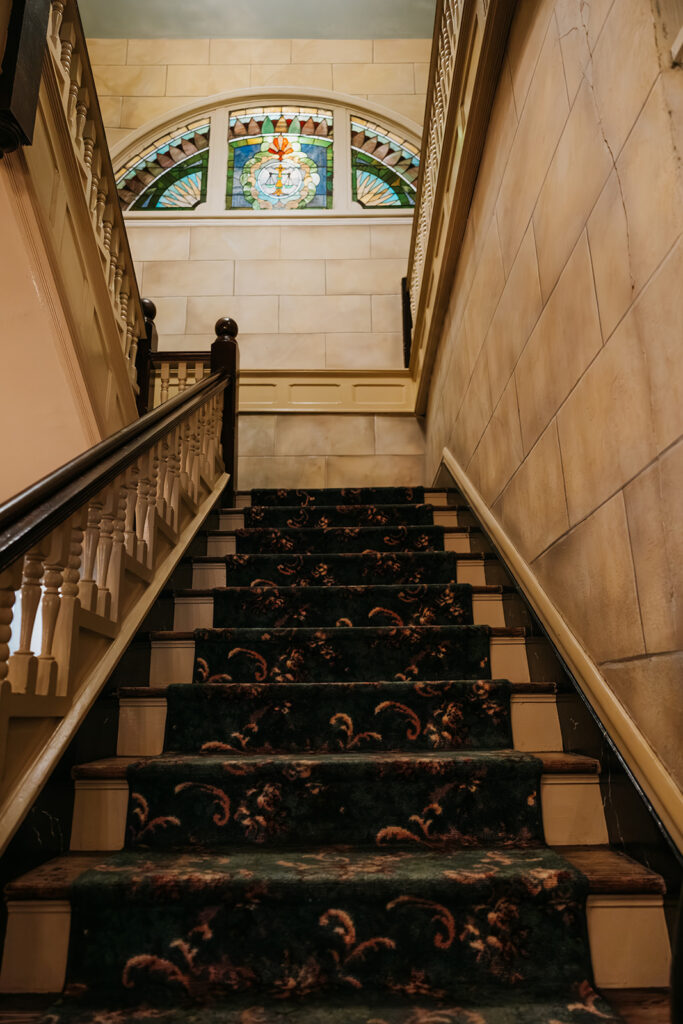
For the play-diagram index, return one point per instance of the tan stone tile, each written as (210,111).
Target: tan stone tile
(363,351)
(108,51)
(199,343)
(292,471)
(324,434)
(654,507)
(516,314)
(409,105)
(235,242)
(589,574)
(571,23)
(527,36)
(499,137)
(594,18)
(499,452)
(316,241)
(279,277)
(310,313)
(390,241)
(116,80)
(487,287)
(110,108)
(402,51)
(651,186)
(658,316)
(421,72)
(540,127)
(254,314)
(574,181)
(171,315)
(256,434)
(532,508)
(250,51)
(168,51)
(650,688)
(309,76)
(563,343)
(166,242)
(205,79)
(189,277)
(116,135)
(608,239)
(364,277)
(628,29)
(387,314)
(605,426)
(399,435)
(138,110)
(380,79)
(331,51)
(282,351)
(375,470)
(474,414)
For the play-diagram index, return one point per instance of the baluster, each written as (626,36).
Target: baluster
(75,73)
(164,375)
(55,563)
(87,589)
(195,448)
(23,663)
(82,107)
(10,580)
(132,346)
(89,137)
(130,487)
(57,15)
(116,567)
(150,518)
(67,36)
(182,376)
(109,509)
(164,452)
(171,483)
(141,509)
(67,623)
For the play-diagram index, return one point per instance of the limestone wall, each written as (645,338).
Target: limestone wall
(558,384)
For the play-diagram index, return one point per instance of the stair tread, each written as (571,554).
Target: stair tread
(251,531)
(553,763)
(490,589)
(427,555)
(516,687)
(302,631)
(607,871)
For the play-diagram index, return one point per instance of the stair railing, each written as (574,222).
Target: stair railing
(87,550)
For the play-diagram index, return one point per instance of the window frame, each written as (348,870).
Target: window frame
(217,110)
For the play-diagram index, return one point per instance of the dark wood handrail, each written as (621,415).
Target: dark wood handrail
(36,511)
(181,355)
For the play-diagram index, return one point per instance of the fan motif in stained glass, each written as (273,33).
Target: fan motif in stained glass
(171,174)
(280,160)
(384,166)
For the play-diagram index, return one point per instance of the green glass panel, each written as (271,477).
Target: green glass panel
(169,175)
(384,167)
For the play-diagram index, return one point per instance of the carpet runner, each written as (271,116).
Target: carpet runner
(338,830)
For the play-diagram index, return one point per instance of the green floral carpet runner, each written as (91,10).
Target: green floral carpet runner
(338,831)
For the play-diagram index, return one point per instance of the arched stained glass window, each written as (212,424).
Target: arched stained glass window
(384,167)
(280,156)
(280,159)
(169,175)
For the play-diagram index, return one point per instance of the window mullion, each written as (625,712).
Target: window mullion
(218,161)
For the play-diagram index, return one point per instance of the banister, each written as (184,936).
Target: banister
(32,514)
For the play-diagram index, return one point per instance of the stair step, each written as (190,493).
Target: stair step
(342,539)
(348,496)
(433,907)
(340,654)
(434,604)
(571,803)
(344,515)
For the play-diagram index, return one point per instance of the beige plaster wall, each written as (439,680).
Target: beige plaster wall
(558,384)
(45,413)
(328,450)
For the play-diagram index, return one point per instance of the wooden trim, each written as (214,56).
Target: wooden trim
(654,778)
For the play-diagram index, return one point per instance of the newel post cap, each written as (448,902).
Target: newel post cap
(226,327)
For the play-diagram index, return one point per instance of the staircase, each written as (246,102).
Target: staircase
(340,795)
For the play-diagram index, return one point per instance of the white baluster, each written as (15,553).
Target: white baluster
(104,548)
(141,509)
(130,487)
(23,663)
(55,562)
(87,589)
(67,623)
(150,518)
(164,374)
(116,562)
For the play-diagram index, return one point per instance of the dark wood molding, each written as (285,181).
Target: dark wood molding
(225,358)
(22,63)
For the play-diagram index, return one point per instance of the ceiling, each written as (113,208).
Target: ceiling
(258,19)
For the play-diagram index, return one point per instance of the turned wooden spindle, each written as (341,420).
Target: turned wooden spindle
(10,580)
(225,356)
(104,549)
(87,589)
(55,563)
(23,663)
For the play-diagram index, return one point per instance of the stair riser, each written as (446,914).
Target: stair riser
(478,572)
(487,610)
(218,545)
(519,659)
(571,810)
(142,726)
(444,517)
(628,937)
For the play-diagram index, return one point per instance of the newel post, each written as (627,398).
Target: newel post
(146,346)
(225,355)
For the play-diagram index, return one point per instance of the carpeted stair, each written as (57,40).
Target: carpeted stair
(338,830)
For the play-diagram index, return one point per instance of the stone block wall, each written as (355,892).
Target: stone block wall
(558,383)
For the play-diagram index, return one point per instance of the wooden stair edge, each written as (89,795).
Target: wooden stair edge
(143,690)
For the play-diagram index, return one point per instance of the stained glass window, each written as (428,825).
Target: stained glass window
(280,159)
(170,174)
(384,166)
